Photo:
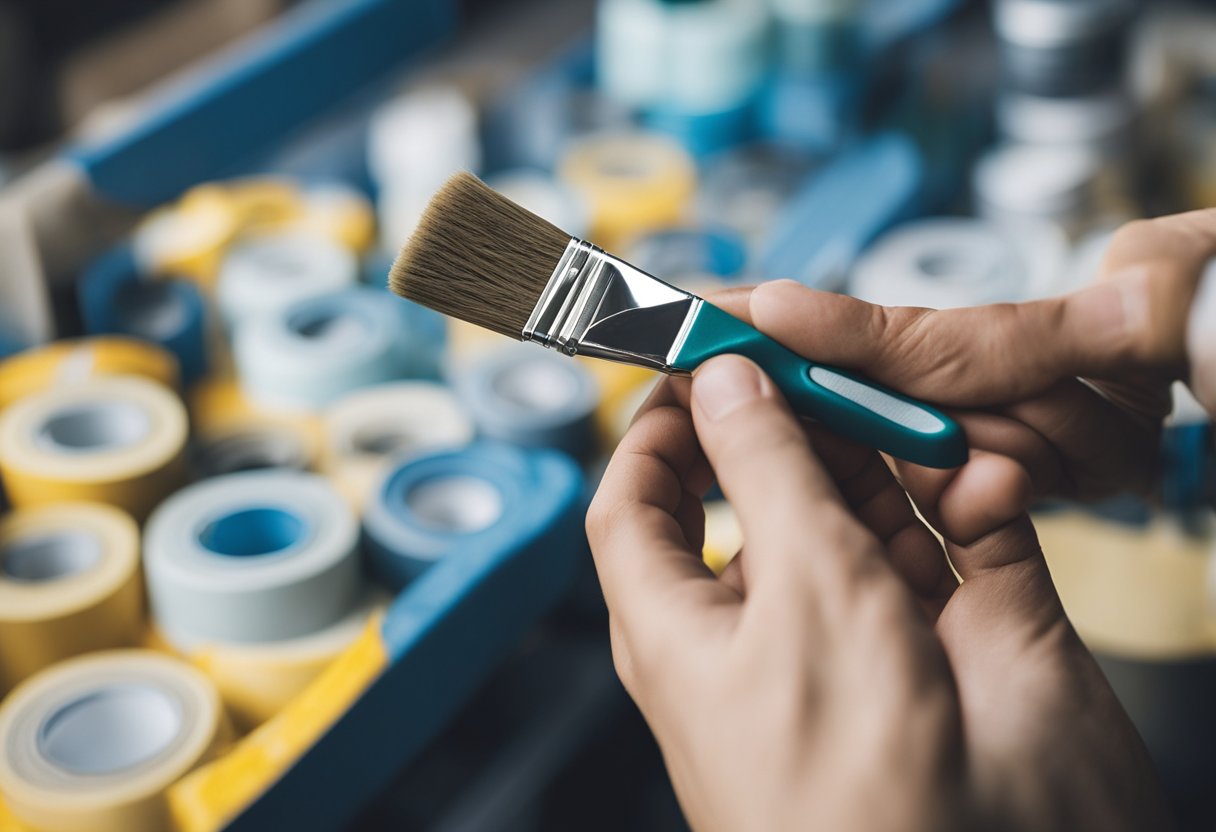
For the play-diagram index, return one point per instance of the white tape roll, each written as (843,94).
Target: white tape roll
(532,397)
(418,139)
(251,557)
(310,353)
(1102,123)
(93,743)
(69,583)
(117,440)
(546,197)
(262,275)
(366,429)
(941,263)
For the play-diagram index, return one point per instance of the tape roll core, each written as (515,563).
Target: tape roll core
(50,557)
(455,504)
(110,730)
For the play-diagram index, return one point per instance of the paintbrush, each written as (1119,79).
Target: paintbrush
(479,257)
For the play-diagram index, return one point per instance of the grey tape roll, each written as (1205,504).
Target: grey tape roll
(534,398)
(251,557)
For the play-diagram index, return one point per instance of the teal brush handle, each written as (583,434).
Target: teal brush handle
(847,404)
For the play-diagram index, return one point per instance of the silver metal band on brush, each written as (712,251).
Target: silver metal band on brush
(598,305)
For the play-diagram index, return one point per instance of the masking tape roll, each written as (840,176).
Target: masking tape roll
(533,398)
(942,263)
(211,797)
(430,507)
(723,536)
(116,298)
(262,204)
(263,274)
(418,139)
(544,196)
(188,239)
(634,183)
(311,352)
(117,440)
(1103,123)
(74,361)
(340,213)
(365,429)
(92,744)
(256,681)
(251,557)
(233,434)
(694,56)
(1064,185)
(69,583)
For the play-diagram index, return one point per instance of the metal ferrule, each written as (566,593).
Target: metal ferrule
(598,305)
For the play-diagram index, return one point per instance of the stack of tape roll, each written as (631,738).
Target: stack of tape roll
(723,536)
(73,361)
(118,440)
(232,434)
(678,253)
(188,238)
(948,262)
(365,429)
(69,583)
(263,274)
(415,142)
(432,506)
(532,397)
(256,577)
(1102,124)
(1066,186)
(327,210)
(309,353)
(746,190)
(544,196)
(634,182)
(95,742)
(1063,49)
(696,57)
(115,298)
(817,36)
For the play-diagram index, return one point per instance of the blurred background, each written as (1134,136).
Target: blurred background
(280,549)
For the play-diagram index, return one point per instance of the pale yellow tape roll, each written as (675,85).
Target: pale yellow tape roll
(723,537)
(69,583)
(94,743)
(634,183)
(231,433)
(72,361)
(256,681)
(188,239)
(212,796)
(339,213)
(118,440)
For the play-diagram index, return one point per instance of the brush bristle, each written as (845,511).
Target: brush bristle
(479,257)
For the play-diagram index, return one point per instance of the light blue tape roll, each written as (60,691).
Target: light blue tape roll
(842,209)
(115,298)
(443,635)
(705,134)
(311,352)
(690,251)
(532,397)
(810,112)
(252,557)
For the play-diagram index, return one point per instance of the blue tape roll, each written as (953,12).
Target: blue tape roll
(8,345)
(447,630)
(704,134)
(842,209)
(532,397)
(810,112)
(116,299)
(676,252)
(311,352)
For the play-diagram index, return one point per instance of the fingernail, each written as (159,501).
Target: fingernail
(726,384)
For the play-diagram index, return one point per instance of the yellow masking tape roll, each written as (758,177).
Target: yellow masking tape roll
(233,434)
(263,203)
(8,823)
(723,537)
(256,681)
(339,213)
(69,362)
(188,239)
(367,428)
(93,744)
(118,440)
(69,583)
(633,182)
(210,797)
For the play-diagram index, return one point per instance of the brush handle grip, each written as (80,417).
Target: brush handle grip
(846,403)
